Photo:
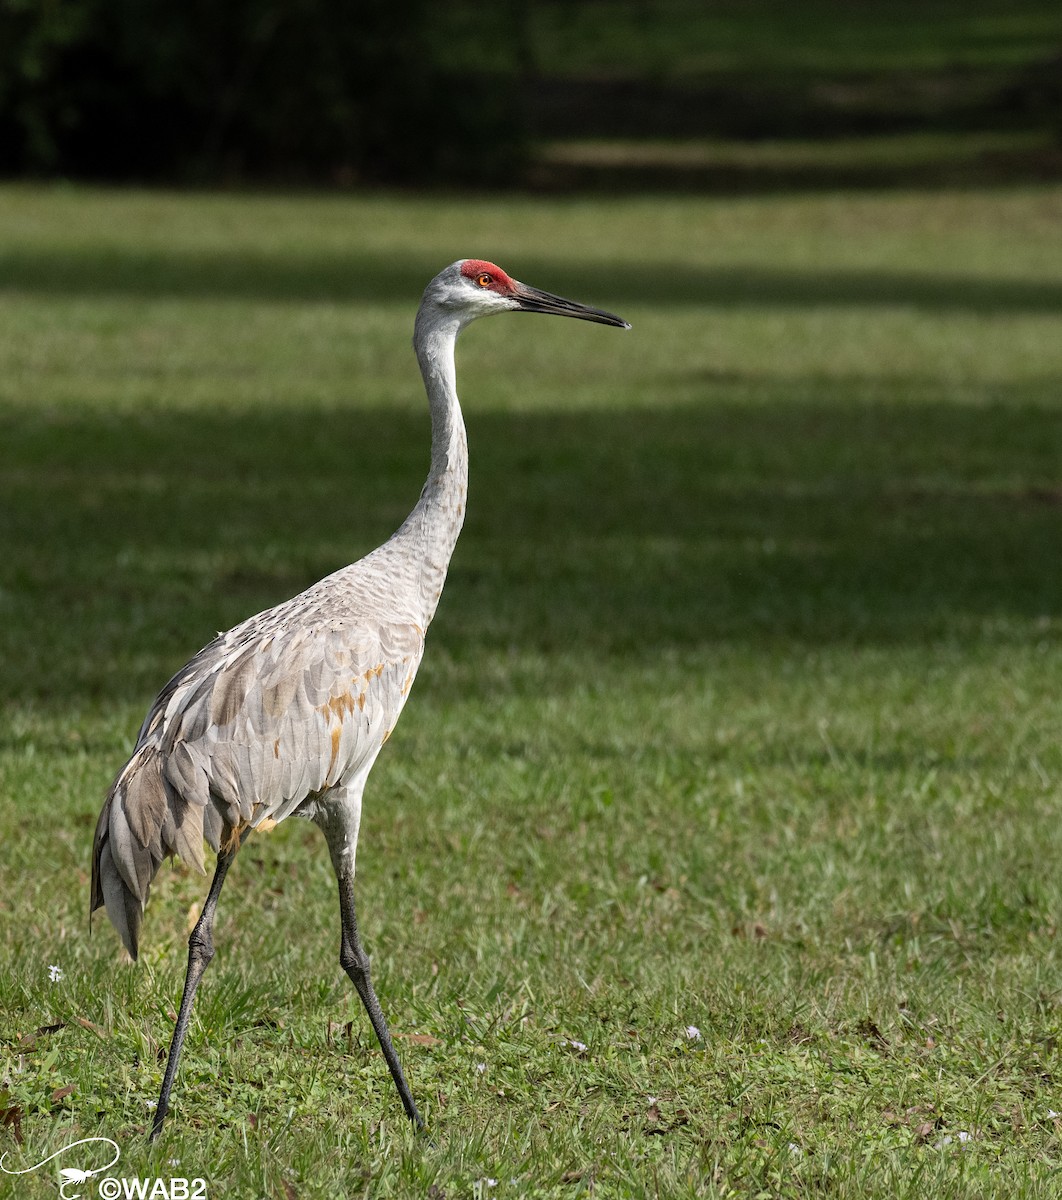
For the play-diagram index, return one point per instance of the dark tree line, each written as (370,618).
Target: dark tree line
(208,90)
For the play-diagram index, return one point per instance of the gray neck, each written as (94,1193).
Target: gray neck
(429,534)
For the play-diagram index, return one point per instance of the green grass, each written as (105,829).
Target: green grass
(741,710)
(719,166)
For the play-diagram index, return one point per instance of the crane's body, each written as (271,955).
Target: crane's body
(286,713)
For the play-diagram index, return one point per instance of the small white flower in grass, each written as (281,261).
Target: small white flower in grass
(580,1046)
(174,1162)
(55,973)
(152,1104)
(962,1137)
(652,1099)
(795,1150)
(481,1067)
(1051,1114)
(693,1033)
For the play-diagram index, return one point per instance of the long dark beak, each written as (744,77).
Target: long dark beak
(534,301)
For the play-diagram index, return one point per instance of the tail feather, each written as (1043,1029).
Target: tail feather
(143,820)
(134,861)
(124,909)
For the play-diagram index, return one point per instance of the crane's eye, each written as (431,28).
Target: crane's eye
(484,280)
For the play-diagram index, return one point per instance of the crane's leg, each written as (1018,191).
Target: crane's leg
(200,952)
(355,962)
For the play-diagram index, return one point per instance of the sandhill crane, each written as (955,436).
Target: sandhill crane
(285,713)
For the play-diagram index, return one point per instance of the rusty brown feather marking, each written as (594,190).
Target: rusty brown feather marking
(337,733)
(335,710)
(234,838)
(262,824)
(340,706)
(231,841)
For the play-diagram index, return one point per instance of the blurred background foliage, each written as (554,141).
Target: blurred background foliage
(552,93)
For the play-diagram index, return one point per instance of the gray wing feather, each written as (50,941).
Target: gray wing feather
(278,691)
(186,770)
(230,688)
(145,817)
(131,856)
(187,838)
(213,827)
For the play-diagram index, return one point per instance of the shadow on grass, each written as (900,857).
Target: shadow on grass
(758,178)
(612,535)
(379,278)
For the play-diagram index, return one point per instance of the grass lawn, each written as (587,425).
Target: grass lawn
(718,852)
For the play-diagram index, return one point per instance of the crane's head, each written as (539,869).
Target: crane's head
(473,288)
